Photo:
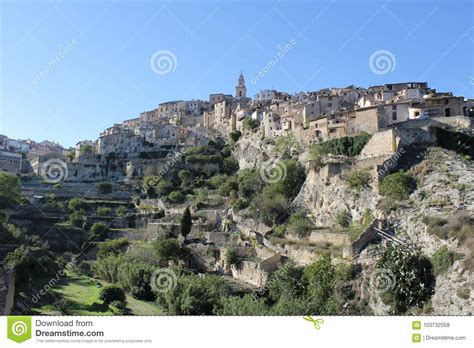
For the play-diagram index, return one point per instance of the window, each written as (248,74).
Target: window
(329,105)
(394,107)
(446,101)
(394,116)
(417,113)
(447,112)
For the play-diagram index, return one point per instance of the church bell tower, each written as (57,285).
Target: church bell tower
(240,89)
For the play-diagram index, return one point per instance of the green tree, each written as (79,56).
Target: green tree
(110,293)
(245,305)
(176,197)
(168,249)
(186,222)
(411,277)
(10,194)
(195,296)
(321,281)
(287,281)
(271,205)
(185,176)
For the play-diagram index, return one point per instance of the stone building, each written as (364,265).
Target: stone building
(10,162)
(119,141)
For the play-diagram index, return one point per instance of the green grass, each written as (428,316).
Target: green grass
(138,307)
(82,295)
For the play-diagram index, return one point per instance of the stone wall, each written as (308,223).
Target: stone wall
(381,144)
(254,272)
(7,289)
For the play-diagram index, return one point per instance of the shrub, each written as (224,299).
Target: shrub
(442,260)
(272,206)
(249,124)
(229,186)
(396,186)
(115,246)
(185,175)
(321,280)
(98,231)
(119,306)
(76,204)
(245,305)
(111,293)
(250,182)
(104,211)
(176,197)
(240,203)
(234,136)
(217,180)
(195,296)
(279,231)
(86,149)
(164,187)
(343,218)
(167,249)
(459,226)
(358,179)
(231,257)
(58,186)
(300,224)
(104,187)
(121,211)
(201,194)
(287,281)
(77,219)
(347,146)
(229,165)
(410,278)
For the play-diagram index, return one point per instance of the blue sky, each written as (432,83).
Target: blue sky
(69,69)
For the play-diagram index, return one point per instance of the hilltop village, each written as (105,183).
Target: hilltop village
(277,204)
(311,117)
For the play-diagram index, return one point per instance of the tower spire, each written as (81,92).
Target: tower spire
(240,89)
